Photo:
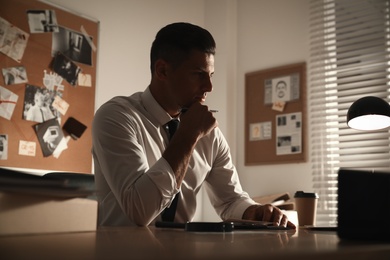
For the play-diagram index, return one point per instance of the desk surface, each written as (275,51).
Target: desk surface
(162,243)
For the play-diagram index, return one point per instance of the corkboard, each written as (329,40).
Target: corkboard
(79,36)
(275,115)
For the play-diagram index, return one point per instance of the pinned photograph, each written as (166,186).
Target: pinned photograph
(8,101)
(66,68)
(289,133)
(73,45)
(3,147)
(42,21)
(14,75)
(281,89)
(49,135)
(38,104)
(13,41)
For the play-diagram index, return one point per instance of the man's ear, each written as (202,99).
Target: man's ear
(161,68)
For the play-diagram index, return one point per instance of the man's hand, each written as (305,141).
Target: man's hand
(267,213)
(197,120)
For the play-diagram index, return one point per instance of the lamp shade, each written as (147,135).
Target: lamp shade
(369,113)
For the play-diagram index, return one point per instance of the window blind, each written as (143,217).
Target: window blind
(349,59)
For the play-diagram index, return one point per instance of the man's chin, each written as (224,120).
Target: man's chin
(200,100)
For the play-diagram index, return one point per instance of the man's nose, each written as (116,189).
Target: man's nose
(208,84)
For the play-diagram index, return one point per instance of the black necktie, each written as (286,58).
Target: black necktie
(169,213)
(173,125)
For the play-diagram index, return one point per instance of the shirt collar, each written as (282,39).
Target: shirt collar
(154,108)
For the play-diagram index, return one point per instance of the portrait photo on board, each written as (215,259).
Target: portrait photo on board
(283,89)
(38,104)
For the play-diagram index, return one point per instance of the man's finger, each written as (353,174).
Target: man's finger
(267,212)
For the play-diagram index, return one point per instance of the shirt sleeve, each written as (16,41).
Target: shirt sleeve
(142,190)
(223,185)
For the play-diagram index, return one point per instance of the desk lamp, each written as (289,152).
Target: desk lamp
(369,113)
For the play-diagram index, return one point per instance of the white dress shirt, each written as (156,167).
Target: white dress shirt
(135,183)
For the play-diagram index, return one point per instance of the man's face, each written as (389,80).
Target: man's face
(281,88)
(191,80)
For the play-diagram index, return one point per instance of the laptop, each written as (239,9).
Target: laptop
(363,205)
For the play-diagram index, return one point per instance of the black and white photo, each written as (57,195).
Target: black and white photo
(14,75)
(49,135)
(3,147)
(73,45)
(66,69)
(38,104)
(42,21)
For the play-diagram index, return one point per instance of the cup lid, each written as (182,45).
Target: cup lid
(301,194)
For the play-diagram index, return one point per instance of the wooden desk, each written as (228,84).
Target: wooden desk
(155,243)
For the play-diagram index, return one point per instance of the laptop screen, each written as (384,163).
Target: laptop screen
(363,204)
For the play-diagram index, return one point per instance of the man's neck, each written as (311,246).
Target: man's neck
(164,100)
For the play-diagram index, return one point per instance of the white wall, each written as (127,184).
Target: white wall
(270,34)
(251,35)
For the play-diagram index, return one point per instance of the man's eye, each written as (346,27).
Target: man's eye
(204,75)
(200,74)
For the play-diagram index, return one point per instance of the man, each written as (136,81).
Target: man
(139,171)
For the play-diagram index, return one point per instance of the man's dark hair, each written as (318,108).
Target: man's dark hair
(174,42)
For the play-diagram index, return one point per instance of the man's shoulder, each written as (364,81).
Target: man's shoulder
(119,108)
(124,102)
(127,100)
